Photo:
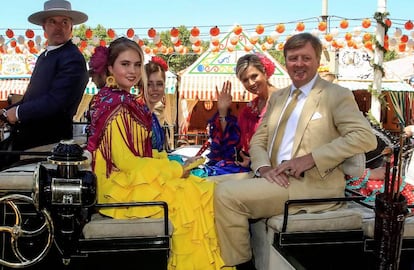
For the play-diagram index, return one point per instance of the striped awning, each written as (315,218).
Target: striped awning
(12,86)
(203,86)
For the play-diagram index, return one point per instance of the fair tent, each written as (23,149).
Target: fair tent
(215,66)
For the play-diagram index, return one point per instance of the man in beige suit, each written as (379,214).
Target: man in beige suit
(324,128)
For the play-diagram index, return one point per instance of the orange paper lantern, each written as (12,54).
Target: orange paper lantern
(102,43)
(29,33)
(195,32)
(130,32)
(300,26)
(368,45)
(280,28)
(13,43)
(344,24)
(214,31)
(322,26)
(348,36)
(328,37)
(152,32)
(366,23)
(408,25)
(174,32)
(402,47)
(366,37)
(237,30)
(30,44)
(259,29)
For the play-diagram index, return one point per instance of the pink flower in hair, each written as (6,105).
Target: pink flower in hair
(99,60)
(158,60)
(268,64)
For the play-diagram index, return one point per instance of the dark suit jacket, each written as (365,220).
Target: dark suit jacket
(52,98)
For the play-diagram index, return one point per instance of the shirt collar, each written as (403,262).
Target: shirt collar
(306,88)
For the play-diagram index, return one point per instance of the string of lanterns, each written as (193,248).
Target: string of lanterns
(402,40)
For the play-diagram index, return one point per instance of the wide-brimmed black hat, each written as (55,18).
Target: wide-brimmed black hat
(58,8)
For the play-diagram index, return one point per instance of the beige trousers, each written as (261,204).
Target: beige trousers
(237,201)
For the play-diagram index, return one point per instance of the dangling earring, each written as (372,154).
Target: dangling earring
(110,82)
(244,95)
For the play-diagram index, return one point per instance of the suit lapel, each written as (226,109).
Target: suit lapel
(309,108)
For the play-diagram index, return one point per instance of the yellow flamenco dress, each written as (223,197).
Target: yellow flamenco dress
(132,177)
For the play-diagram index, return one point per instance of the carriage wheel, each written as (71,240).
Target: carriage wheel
(18,233)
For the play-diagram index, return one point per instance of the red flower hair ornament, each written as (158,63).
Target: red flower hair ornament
(268,65)
(158,60)
(99,60)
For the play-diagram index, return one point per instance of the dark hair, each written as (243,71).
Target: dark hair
(152,67)
(300,40)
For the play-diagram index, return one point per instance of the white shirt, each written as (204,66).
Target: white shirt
(286,146)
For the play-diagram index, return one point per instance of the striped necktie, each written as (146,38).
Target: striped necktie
(282,124)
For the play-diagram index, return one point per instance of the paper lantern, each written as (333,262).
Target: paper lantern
(88,33)
(402,47)
(174,32)
(366,37)
(214,31)
(328,37)
(388,23)
(30,44)
(13,43)
(260,29)
(300,26)
(348,36)
(147,50)
(130,33)
(9,33)
(110,32)
(368,45)
(102,43)
(29,33)
(344,24)
(237,30)
(366,23)
(408,25)
(280,28)
(152,32)
(195,32)
(322,26)
(404,38)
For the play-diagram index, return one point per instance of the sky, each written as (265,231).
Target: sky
(165,14)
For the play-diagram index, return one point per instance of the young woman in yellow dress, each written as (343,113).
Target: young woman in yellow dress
(128,169)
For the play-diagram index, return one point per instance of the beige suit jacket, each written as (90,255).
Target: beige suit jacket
(331,127)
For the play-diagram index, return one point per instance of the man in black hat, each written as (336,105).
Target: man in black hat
(45,113)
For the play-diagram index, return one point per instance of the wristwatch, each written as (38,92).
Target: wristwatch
(3,116)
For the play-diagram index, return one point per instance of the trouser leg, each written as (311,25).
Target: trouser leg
(235,202)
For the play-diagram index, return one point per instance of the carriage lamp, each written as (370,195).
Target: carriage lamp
(67,192)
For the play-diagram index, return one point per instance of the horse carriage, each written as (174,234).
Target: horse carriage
(49,218)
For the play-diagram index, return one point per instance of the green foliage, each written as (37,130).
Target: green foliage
(278,55)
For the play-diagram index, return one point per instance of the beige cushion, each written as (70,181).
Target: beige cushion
(340,219)
(369,227)
(102,227)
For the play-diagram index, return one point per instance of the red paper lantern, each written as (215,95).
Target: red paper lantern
(83,44)
(280,28)
(13,43)
(344,24)
(388,23)
(29,33)
(30,44)
(130,32)
(195,32)
(152,32)
(141,42)
(88,33)
(9,33)
(214,31)
(328,37)
(259,29)
(322,26)
(402,47)
(404,39)
(368,45)
(111,33)
(366,23)
(174,32)
(408,25)
(102,43)
(300,26)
